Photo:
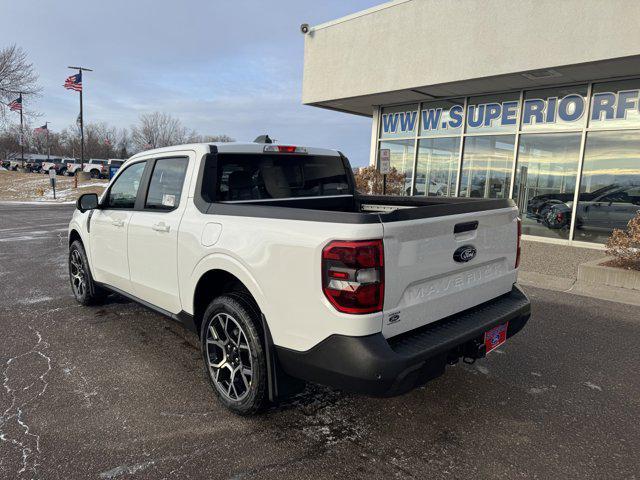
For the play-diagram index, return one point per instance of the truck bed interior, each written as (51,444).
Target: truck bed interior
(386,208)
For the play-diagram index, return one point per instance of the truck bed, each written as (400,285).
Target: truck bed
(358,208)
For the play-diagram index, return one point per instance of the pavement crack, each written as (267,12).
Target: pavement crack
(22,437)
(80,383)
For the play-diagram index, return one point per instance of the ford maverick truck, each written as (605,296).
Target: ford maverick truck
(288,274)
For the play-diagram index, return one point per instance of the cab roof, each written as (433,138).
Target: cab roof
(229,147)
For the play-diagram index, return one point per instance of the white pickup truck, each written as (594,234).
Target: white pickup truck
(286,273)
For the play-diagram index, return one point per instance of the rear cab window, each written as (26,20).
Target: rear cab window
(167,180)
(264,176)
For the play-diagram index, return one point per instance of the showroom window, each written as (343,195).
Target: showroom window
(437,169)
(493,113)
(399,122)
(555,109)
(401,155)
(442,118)
(486,166)
(545,180)
(610,185)
(528,145)
(615,105)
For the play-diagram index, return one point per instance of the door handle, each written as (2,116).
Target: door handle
(117,223)
(161,227)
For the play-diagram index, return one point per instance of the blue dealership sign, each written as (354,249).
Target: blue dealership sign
(570,109)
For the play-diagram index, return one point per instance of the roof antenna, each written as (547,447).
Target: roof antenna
(263,139)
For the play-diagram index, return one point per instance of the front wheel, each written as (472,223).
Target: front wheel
(84,288)
(233,353)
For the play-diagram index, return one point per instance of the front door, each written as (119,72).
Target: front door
(153,234)
(108,229)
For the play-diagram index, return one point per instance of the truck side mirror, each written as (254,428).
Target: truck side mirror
(88,201)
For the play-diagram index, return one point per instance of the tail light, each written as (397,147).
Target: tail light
(518,248)
(353,275)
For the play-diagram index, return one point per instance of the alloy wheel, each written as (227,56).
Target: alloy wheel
(229,357)
(78,275)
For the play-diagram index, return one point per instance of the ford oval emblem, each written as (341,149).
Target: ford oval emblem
(465,253)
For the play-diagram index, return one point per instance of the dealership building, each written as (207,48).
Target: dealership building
(538,101)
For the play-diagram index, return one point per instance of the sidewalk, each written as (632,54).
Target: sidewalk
(555,267)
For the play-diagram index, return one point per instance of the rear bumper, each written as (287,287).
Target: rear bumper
(373,365)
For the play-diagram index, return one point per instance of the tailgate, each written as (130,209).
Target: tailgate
(423,282)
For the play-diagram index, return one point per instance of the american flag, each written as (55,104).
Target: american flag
(74,82)
(16,105)
(41,129)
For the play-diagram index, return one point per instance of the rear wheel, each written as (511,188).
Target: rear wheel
(95,174)
(233,353)
(84,288)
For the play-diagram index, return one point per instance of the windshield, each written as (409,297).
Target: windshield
(263,176)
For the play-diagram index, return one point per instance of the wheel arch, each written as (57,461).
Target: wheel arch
(74,235)
(215,282)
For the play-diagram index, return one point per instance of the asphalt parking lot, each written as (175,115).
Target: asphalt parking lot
(117,391)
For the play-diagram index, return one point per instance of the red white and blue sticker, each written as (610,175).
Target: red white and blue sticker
(495,337)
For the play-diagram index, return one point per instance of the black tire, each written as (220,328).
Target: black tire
(224,357)
(83,286)
(94,174)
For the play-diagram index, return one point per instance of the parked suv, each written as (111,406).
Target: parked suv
(286,273)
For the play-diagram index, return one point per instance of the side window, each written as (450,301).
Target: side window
(165,187)
(619,196)
(124,190)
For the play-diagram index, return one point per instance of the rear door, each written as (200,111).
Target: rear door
(153,233)
(423,280)
(108,228)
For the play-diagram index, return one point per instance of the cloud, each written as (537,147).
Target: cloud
(221,67)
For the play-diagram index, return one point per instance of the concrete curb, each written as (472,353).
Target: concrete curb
(569,285)
(550,282)
(595,274)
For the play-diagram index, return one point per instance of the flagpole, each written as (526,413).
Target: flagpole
(80,70)
(81,134)
(46,124)
(21,131)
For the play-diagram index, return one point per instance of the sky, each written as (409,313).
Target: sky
(221,67)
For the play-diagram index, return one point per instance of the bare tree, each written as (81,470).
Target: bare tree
(156,130)
(123,145)
(197,138)
(369,181)
(16,75)
(9,145)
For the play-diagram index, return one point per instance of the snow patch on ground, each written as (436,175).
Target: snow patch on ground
(36,188)
(33,300)
(540,390)
(593,386)
(127,469)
